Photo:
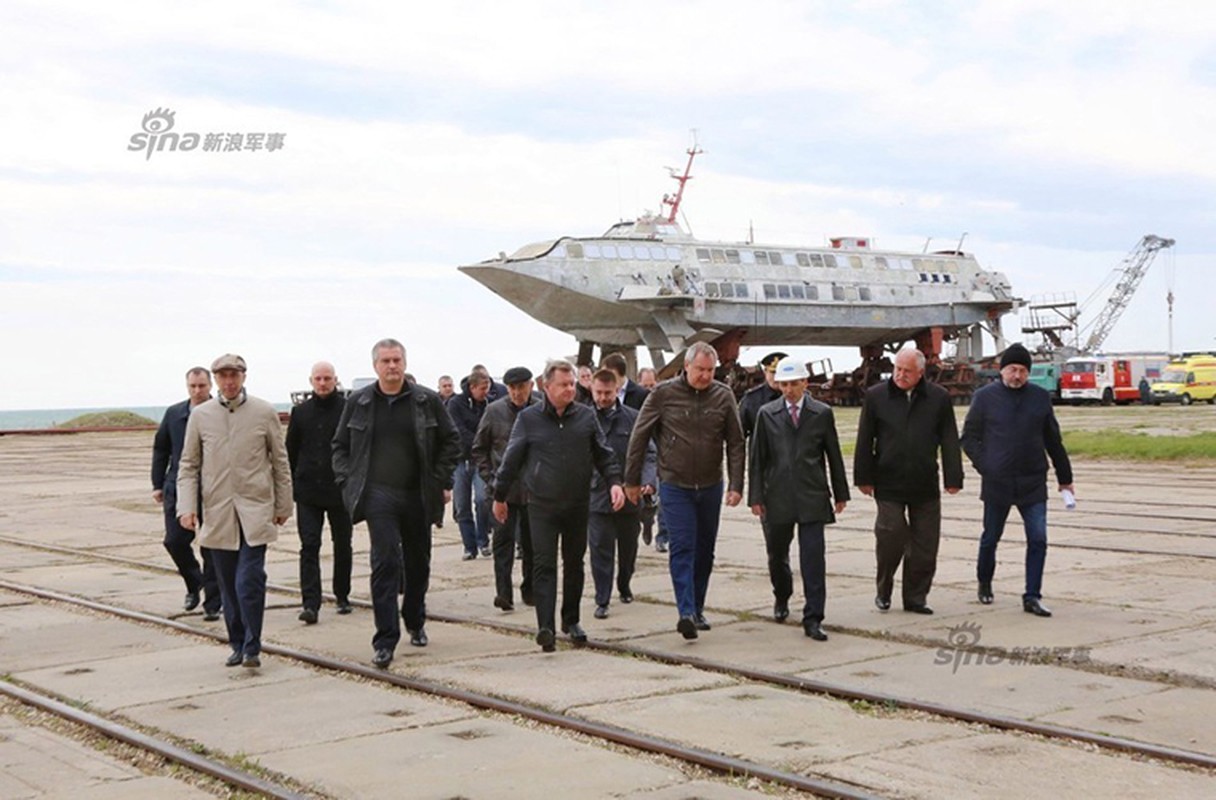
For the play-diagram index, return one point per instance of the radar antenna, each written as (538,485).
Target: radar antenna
(674,202)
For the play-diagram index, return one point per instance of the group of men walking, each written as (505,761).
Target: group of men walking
(560,477)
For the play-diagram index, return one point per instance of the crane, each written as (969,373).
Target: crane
(1130,273)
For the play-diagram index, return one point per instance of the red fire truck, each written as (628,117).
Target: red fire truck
(1108,379)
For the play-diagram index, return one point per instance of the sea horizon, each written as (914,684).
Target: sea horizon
(41,418)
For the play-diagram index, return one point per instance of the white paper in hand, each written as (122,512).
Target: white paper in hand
(1070,499)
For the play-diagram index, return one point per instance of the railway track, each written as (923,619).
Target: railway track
(703,758)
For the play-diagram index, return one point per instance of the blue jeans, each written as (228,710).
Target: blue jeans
(691,518)
(242,578)
(1034,520)
(469,501)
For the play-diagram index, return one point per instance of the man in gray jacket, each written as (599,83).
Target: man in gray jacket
(234,450)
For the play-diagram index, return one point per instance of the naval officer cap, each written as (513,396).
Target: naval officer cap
(769,362)
(517,375)
(228,361)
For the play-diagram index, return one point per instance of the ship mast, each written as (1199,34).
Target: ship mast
(674,202)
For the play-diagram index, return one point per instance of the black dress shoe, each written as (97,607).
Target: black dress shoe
(235,659)
(191,602)
(577,634)
(251,662)
(601,612)
(468,556)
(701,622)
(883,603)
(344,607)
(308,616)
(382,658)
(626,597)
(418,637)
(660,547)
(687,626)
(985,593)
(813,630)
(917,608)
(504,604)
(1035,607)
(212,615)
(544,638)
(781,610)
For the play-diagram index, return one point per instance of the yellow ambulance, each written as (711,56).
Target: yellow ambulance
(1186,381)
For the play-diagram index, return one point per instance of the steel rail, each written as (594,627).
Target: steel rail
(716,762)
(167,750)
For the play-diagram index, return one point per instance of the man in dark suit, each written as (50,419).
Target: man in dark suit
(792,446)
(905,422)
(629,393)
(166,453)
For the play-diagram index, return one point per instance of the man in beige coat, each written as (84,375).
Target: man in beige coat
(234,448)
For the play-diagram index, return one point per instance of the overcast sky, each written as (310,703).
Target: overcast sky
(422,136)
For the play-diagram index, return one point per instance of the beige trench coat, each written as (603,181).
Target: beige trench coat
(238,455)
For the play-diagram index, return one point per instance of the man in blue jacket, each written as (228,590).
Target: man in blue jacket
(1009,429)
(166,454)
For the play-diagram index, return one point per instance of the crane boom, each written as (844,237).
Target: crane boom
(1135,264)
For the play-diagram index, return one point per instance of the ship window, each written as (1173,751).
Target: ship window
(812,293)
(719,256)
(761,257)
(850,293)
(593,250)
(609,251)
(558,252)
(924,278)
(863,292)
(918,263)
(574,250)
(641,252)
(783,291)
(936,278)
(673,253)
(728,290)
(798,291)
(816,260)
(951,266)
(837,292)
(703,254)
(880,262)
(945,279)
(829,260)
(657,253)
(625,250)
(711,289)
(740,290)
(747,256)
(905,264)
(802,260)
(940,265)
(775,258)
(855,262)
(770,291)
(732,256)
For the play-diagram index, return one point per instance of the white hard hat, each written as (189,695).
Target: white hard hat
(790,369)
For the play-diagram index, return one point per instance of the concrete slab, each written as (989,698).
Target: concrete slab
(543,678)
(997,765)
(1172,716)
(474,758)
(772,726)
(698,790)
(184,670)
(312,710)
(38,636)
(94,580)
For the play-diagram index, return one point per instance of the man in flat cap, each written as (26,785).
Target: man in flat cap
(1008,429)
(234,453)
(489,445)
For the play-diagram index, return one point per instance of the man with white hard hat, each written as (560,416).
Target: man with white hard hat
(792,447)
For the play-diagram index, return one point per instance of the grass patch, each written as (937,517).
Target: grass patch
(107,419)
(1141,446)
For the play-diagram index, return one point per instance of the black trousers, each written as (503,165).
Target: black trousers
(777,540)
(612,535)
(400,537)
(179,543)
(907,532)
(310,519)
(503,537)
(549,526)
